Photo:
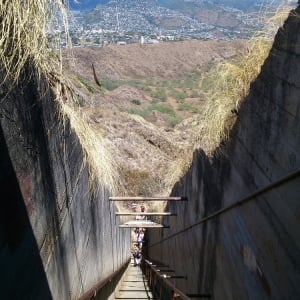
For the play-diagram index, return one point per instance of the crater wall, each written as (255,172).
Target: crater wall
(58,235)
(252,250)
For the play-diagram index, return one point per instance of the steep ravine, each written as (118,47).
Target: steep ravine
(250,251)
(58,237)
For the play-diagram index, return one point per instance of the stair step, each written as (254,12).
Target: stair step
(134,285)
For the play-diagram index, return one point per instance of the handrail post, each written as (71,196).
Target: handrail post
(165,284)
(172,295)
(161,288)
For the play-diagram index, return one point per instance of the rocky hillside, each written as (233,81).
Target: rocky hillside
(165,60)
(150,103)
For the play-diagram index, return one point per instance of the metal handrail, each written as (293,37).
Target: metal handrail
(158,280)
(234,205)
(148,198)
(92,292)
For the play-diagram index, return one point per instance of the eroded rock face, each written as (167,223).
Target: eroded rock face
(250,251)
(58,237)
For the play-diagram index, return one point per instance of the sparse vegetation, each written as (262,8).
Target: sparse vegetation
(163,108)
(23,35)
(147,89)
(189,82)
(97,154)
(160,94)
(208,82)
(228,83)
(224,89)
(179,166)
(194,94)
(24,43)
(136,101)
(179,95)
(139,182)
(173,120)
(136,83)
(86,85)
(188,106)
(110,84)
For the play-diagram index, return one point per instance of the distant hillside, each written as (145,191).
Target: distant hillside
(164,60)
(182,20)
(245,4)
(238,4)
(150,104)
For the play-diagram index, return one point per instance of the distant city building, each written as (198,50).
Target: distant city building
(143,21)
(153,41)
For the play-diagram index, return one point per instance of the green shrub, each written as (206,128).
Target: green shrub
(135,83)
(194,94)
(189,107)
(208,82)
(173,120)
(202,96)
(86,85)
(160,94)
(146,88)
(140,112)
(136,101)
(209,66)
(179,95)
(148,82)
(163,108)
(164,83)
(110,84)
(189,83)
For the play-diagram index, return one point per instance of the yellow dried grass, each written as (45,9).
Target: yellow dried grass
(23,39)
(97,151)
(23,36)
(232,80)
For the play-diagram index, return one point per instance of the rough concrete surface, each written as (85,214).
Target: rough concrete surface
(251,251)
(134,285)
(58,237)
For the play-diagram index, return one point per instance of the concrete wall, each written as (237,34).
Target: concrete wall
(58,237)
(251,251)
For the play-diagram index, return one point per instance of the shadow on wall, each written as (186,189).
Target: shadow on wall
(22,274)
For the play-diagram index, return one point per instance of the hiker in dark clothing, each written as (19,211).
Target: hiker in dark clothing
(137,256)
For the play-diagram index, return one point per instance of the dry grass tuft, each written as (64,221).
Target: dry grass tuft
(23,38)
(96,149)
(178,168)
(231,81)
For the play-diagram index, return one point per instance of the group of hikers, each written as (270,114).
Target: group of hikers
(133,207)
(139,240)
(138,235)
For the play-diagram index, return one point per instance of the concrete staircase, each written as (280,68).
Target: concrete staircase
(134,285)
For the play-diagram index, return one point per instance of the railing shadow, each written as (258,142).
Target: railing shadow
(161,286)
